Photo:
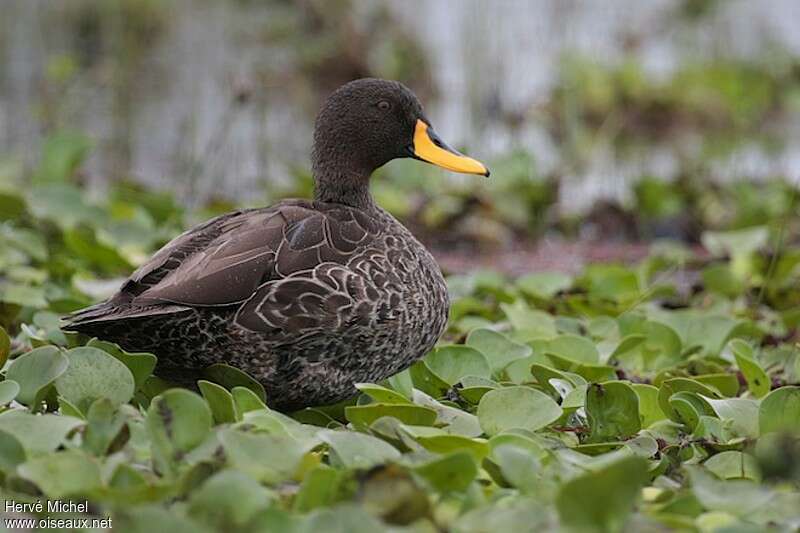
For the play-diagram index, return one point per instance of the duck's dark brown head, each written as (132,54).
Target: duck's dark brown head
(365,124)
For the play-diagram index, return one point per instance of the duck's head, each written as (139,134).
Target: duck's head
(366,123)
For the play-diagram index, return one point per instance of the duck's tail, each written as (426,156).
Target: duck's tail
(89,318)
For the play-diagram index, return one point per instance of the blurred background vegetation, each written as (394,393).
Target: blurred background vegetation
(601,123)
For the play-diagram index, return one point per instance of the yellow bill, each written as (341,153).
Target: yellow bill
(430,148)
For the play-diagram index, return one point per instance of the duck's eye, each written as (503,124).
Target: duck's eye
(383,105)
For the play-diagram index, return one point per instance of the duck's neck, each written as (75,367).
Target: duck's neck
(343,190)
(338,179)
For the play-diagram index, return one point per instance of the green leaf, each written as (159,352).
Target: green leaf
(38,433)
(534,323)
(92,373)
(415,415)
(661,348)
(739,497)
(602,500)
(780,411)
(741,415)
(453,362)
(8,391)
(649,410)
(356,450)
(104,425)
(690,408)
(35,371)
(544,285)
(453,443)
(733,465)
(346,518)
(758,381)
(574,348)
(140,519)
(507,514)
(674,385)
(612,409)
(62,154)
(426,380)
(62,474)
(454,421)
(519,467)
(230,377)
(498,349)
(228,500)
(270,458)
(516,407)
(177,422)
(12,453)
(611,282)
(449,473)
(84,242)
(727,384)
(23,295)
(5,347)
(246,400)
(402,383)
(382,394)
(219,400)
(321,487)
(140,364)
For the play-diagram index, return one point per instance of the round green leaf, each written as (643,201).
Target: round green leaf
(613,411)
(780,411)
(230,377)
(733,465)
(228,500)
(516,407)
(356,450)
(177,422)
(11,452)
(141,364)
(38,433)
(8,391)
(450,473)
(35,370)
(602,500)
(498,349)
(61,474)
(671,386)
(451,363)
(574,348)
(270,458)
(93,374)
(544,285)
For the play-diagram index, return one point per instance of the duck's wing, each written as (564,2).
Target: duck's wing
(227,259)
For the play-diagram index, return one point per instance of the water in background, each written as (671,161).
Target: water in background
(208,108)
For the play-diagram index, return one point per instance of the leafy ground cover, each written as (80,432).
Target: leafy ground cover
(649,398)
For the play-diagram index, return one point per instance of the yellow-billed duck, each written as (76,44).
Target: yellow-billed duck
(308,296)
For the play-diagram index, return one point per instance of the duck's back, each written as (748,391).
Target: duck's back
(310,297)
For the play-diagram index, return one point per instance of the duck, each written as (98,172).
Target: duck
(308,296)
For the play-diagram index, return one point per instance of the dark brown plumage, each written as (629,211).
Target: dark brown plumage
(309,297)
